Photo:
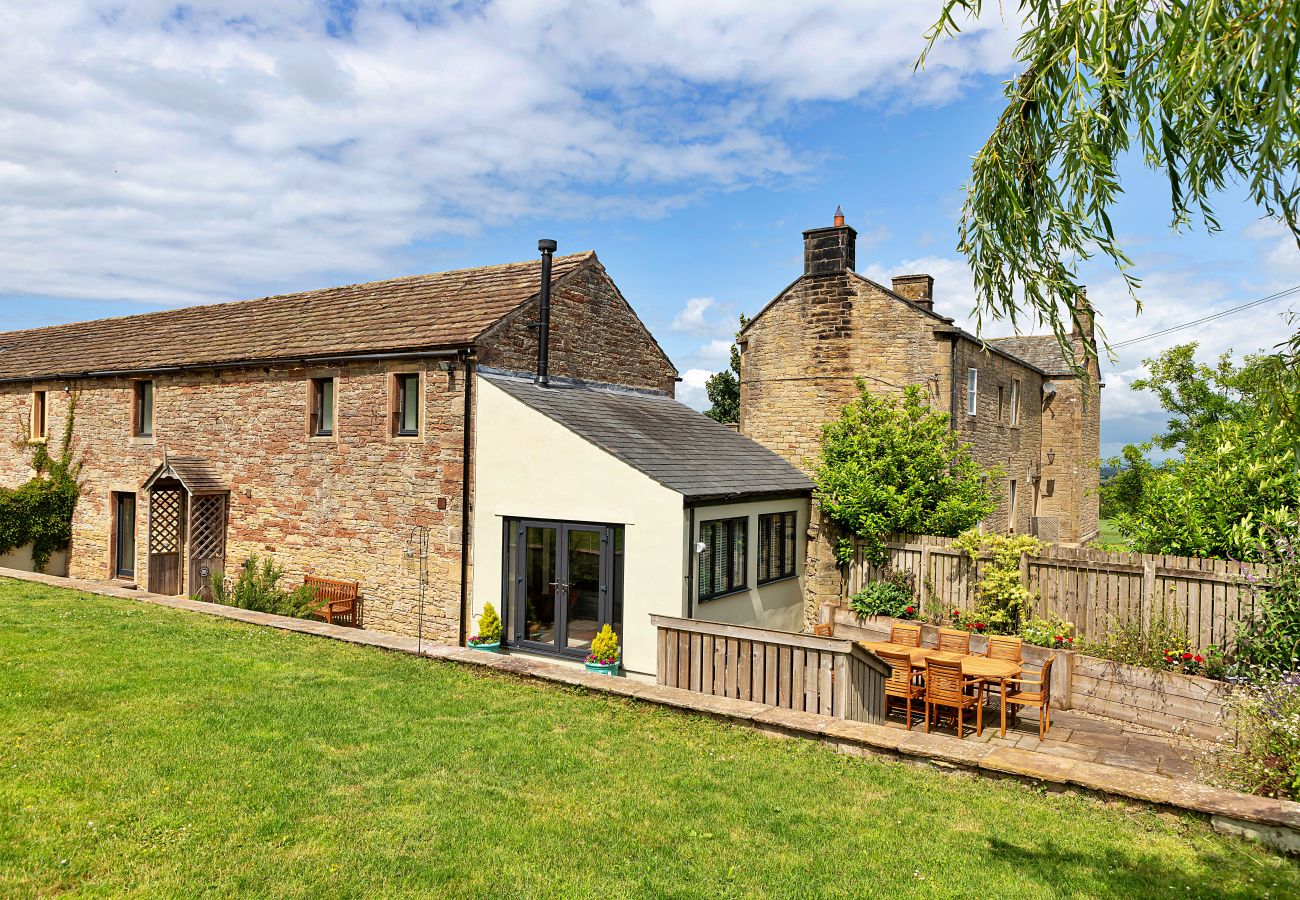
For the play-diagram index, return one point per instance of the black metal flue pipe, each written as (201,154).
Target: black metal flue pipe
(547,247)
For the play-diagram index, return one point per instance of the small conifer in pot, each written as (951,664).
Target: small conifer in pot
(604,655)
(489,630)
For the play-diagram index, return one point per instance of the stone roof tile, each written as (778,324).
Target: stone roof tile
(418,312)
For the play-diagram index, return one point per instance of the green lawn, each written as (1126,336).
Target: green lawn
(161,753)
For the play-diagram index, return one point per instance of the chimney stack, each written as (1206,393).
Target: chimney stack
(917,288)
(828,251)
(1084,326)
(547,248)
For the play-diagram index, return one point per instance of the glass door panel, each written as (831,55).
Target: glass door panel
(583,587)
(124,557)
(541,584)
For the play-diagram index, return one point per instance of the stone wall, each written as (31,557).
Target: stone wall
(801,357)
(345,506)
(995,442)
(595,335)
(1071,455)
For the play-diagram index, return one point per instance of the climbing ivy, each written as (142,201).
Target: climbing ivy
(39,512)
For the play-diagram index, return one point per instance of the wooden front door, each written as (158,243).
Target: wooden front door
(166,538)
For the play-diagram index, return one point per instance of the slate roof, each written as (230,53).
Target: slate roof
(678,447)
(419,312)
(1040,350)
(194,472)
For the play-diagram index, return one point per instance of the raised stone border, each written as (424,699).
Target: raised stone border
(1272,822)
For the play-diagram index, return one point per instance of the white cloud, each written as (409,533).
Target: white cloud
(716,353)
(691,388)
(172,153)
(1276,246)
(692,316)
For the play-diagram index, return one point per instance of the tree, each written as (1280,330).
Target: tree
(892,464)
(1205,92)
(1236,481)
(723,387)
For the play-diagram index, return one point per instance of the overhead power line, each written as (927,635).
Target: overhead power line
(1219,315)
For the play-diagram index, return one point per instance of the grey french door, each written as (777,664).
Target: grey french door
(124,529)
(566,584)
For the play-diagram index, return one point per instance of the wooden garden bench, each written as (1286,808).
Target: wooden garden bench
(339,600)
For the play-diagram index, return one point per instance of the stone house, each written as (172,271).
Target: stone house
(392,433)
(1015,400)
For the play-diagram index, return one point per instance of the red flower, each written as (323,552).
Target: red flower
(911,609)
(956,612)
(1187,656)
(1199,658)
(1058,639)
(1070,640)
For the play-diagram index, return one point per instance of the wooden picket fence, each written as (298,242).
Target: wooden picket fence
(1091,588)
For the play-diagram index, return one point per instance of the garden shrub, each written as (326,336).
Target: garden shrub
(604,648)
(258,588)
(39,511)
(1265,715)
(891,464)
(893,595)
(1002,603)
(489,626)
(1053,632)
(1271,638)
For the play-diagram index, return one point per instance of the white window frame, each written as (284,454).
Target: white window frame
(1015,401)
(972,391)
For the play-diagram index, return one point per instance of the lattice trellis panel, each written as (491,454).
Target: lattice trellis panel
(166,526)
(208,527)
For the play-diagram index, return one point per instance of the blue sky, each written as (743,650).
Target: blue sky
(156,155)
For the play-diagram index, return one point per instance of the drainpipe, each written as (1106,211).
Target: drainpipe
(465,486)
(690,563)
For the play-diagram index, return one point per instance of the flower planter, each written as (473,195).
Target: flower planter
(490,648)
(603,668)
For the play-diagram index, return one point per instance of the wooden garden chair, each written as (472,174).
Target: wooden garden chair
(946,686)
(1002,647)
(901,684)
(1035,692)
(905,635)
(952,640)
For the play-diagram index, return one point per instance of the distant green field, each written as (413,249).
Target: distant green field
(1109,533)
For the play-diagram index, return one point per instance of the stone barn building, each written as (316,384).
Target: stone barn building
(399,434)
(1014,400)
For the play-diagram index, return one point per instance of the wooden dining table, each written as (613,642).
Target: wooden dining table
(987,670)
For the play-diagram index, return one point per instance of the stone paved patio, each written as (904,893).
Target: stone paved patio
(1079,736)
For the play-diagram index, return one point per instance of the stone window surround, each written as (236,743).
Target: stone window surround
(390,376)
(137,389)
(38,426)
(312,379)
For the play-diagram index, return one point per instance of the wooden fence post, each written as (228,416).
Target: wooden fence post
(1148,592)
(923,588)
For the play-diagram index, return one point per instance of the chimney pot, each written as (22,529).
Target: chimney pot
(917,288)
(839,217)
